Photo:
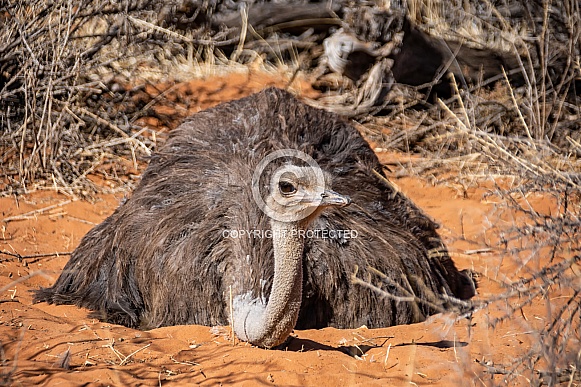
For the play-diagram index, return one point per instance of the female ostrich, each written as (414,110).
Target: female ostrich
(194,233)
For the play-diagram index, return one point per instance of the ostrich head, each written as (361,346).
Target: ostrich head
(299,194)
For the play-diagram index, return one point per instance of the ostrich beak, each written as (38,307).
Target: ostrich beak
(332,198)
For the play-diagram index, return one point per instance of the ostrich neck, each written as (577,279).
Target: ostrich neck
(270,325)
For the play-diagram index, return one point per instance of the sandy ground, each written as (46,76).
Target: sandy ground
(36,340)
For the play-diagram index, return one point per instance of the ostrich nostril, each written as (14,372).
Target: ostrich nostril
(329,197)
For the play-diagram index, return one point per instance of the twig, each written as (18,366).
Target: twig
(115,351)
(518,110)
(478,251)
(190,363)
(21,279)
(82,220)
(243,32)
(133,353)
(386,355)
(30,214)
(21,257)
(153,27)
(231,303)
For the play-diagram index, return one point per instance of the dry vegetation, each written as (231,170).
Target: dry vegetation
(529,135)
(71,96)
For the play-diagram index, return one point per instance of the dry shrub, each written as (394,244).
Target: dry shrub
(62,112)
(545,247)
(543,104)
(543,244)
(66,70)
(526,133)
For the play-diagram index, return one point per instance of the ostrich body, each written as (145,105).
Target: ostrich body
(168,255)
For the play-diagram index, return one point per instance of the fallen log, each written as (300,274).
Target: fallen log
(369,34)
(425,60)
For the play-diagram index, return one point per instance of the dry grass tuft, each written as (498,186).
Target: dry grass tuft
(55,107)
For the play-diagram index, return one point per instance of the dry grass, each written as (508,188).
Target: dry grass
(68,76)
(54,105)
(527,135)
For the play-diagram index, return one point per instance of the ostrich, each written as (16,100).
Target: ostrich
(196,244)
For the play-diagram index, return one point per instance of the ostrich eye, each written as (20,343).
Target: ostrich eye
(286,188)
